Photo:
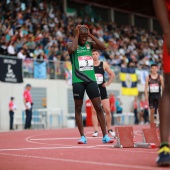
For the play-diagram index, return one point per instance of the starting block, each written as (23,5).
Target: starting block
(150,136)
(125,138)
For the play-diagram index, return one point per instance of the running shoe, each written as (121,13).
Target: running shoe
(82,140)
(163,156)
(106,139)
(95,134)
(112,133)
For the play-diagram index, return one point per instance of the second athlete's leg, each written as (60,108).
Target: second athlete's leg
(100,114)
(106,108)
(94,119)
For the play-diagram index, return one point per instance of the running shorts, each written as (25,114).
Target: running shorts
(91,89)
(154,101)
(103,92)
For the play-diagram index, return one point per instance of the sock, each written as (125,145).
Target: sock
(164,144)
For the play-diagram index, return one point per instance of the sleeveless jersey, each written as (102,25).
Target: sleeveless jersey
(99,73)
(154,85)
(82,64)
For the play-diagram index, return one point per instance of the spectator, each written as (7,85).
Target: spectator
(135,110)
(28,106)
(21,55)
(12,108)
(119,105)
(112,106)
(11,49)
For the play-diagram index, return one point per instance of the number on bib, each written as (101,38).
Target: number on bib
(99,78)
(154,88)
(85,63)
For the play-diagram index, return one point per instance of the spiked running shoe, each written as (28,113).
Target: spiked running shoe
(95,134)
(106,139)
(112,133)
(82,140)
(163,156)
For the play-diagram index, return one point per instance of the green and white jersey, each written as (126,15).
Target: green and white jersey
(82,64)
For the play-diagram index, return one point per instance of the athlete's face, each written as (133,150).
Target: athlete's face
(95,55)
(154,69)
(83,36)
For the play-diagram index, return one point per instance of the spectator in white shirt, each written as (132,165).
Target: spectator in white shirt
(21,55)
(11,49)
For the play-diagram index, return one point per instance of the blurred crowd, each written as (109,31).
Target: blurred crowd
(40,30)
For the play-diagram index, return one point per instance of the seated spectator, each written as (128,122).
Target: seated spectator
(11,49)
(21,54)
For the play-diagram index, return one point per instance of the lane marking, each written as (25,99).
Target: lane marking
(105,147)
(75,138)
(83,162)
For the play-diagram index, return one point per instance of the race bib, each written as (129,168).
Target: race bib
(154,88)
(85,63)
(99,78)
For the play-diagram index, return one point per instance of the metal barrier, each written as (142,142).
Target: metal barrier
(42,118)
(62,70)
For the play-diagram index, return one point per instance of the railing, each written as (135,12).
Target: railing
(46,69)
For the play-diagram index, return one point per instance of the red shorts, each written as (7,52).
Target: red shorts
(166,60)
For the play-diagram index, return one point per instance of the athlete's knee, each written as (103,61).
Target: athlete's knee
(78,106)
(98,107)
(107,111)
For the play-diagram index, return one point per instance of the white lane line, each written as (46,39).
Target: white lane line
(42,148)
(63,138)
(105,147)
(83,162)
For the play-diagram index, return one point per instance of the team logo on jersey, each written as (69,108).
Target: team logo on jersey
(128,80)
(88,46)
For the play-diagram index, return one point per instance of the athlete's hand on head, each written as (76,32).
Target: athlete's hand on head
(87,29)
(76,30)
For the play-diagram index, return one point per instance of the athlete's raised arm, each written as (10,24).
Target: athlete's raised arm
(72,46)
(96,43)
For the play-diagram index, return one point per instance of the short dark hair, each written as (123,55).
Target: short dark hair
(28,85)
(152,65)
(12,98)
(94,50)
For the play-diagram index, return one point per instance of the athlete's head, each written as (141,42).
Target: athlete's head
(95,55)
(154,68)
(83,34)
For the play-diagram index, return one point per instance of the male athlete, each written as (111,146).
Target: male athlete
(100,68)
(155,83)
(83,78)
(162,9)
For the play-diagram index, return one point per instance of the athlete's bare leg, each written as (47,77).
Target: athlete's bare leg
(78,115)
(164,111)
(94,119)
(100,114)
(106,108)
(152,111)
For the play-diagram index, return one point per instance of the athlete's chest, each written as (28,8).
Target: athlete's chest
(86,50)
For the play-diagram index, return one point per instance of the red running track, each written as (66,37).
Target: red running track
(58,149)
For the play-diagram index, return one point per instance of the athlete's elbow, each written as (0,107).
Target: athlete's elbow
(71,50)
(104,47)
